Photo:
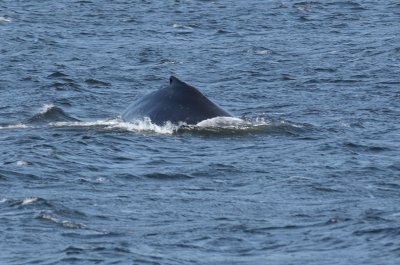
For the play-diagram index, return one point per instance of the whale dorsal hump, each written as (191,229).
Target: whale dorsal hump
(179,102)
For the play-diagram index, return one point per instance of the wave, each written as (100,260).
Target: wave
(50,113)
(144,126)
(52,116)
(162,176)
(214,126)
(245,125)
(57,74)
(14,126)
(5,19)
(95,82)
(29,201)
(65,223)
(180,26)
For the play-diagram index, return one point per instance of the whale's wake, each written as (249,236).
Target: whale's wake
(50,116)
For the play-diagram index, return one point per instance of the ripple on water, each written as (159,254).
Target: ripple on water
(163,176)
(5,19)
(306,173)
(63,223)
(50,113)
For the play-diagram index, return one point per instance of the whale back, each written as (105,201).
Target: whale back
(178,102)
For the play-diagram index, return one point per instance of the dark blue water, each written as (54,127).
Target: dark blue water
(312,177)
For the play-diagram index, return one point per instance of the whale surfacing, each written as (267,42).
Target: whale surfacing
(178,102)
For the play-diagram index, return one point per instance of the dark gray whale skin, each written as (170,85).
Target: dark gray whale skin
(179,102)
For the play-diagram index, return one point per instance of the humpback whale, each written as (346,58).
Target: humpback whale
(178,102)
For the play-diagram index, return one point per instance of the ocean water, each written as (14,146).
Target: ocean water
(307,173)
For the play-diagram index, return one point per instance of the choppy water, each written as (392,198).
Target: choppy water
(312,176)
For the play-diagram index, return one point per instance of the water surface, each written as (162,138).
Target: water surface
(313,178)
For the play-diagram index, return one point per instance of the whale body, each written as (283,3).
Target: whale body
(178,102)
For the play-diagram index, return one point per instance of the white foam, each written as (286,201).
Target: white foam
(82,123)
(180,26)
(46,108)
(30,200)
(222,122)
(233,123)
(260,121)
(66,224)
(144,125)
(263,52)
(3,200)
(101,180)
(292,124)
(5,19)
(21,163)
(15,126)
(49,217)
